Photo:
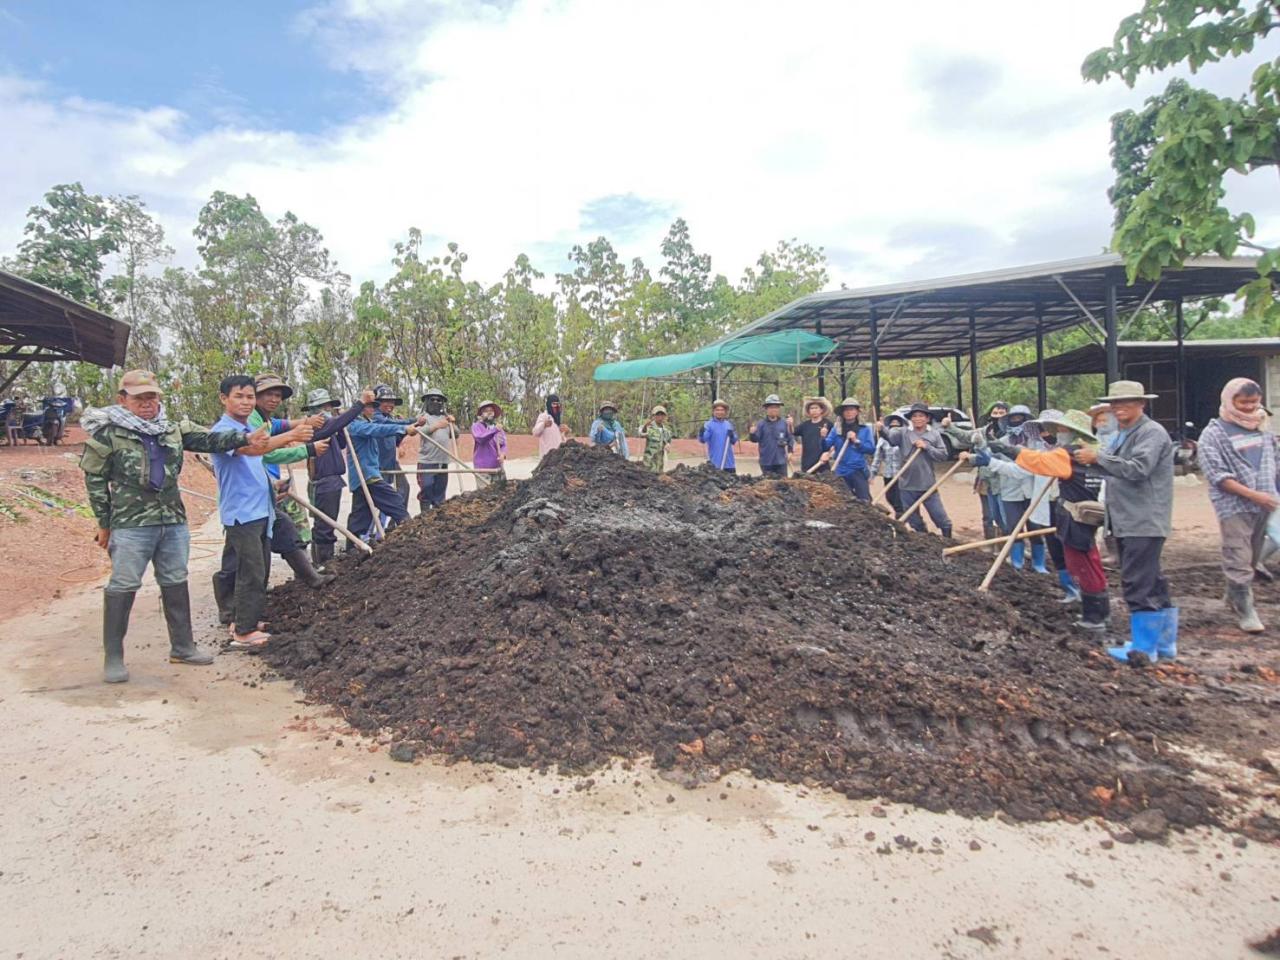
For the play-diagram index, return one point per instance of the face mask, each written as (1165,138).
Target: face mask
(1107,424)
(489,418)
(608,416)
(1065,438)
(435,407)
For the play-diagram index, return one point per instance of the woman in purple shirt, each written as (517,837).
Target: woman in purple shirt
(490,443)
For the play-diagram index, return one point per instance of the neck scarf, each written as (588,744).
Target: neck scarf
(95,418)
(1228,411)
(553,408)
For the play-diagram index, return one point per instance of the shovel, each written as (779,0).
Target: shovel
(879,499)
(932,490)
(1009,540)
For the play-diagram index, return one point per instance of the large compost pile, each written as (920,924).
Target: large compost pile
(715,623)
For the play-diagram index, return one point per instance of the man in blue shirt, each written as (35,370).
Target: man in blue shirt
(388,446)
(246,505)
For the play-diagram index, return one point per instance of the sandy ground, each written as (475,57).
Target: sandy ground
(200,812)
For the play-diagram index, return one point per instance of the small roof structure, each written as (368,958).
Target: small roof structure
(953,316)
(784,348)
(1092,357)
(39,324)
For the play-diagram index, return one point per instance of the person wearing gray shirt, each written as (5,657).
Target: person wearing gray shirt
(917,475)
(436,436)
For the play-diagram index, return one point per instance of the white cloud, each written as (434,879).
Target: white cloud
(904,140)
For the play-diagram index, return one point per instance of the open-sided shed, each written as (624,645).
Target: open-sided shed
(961,316)
(38,324)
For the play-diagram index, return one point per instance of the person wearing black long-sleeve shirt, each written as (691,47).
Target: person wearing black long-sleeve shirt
(813,431)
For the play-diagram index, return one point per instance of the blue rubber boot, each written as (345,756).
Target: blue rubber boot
(1070,589)
(1037,555)
(1017,554)
(1167,647)
(1144,635)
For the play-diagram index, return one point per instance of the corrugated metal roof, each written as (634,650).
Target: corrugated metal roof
(930,318)
(37,323)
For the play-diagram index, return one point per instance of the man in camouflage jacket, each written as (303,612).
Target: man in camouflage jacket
(131,462)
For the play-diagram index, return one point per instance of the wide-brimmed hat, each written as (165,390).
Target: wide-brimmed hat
(772,400)
(135,382)
(895,416)
(319,398)
(720,403)
(1020,410)
(270,381)
(1077,421)
(923,408)
(433,392)
(823,402)
(497,408)
(657,410)
(849,402)
(607,405)
(382,393)
(1126,390)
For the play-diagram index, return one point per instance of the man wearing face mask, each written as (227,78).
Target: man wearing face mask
(327,470)
(607,430)
(1138,469)
(437,438)
(1238,456)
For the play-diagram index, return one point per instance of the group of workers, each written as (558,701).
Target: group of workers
(1081,473)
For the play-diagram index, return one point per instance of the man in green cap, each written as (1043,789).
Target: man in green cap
(131,462)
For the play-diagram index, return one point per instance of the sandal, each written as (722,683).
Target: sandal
(249,641)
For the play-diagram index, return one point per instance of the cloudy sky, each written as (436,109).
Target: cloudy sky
(910,141)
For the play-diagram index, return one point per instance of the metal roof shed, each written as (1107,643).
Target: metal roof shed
(38,324)
(955,316)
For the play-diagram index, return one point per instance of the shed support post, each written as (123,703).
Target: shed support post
(822,369)
(959,384)
(1042,392)
(1180,332)
(973,361)
(875,362)
(1113,339)
(844,382)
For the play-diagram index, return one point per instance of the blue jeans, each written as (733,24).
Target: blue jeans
(165,546)
(858,485)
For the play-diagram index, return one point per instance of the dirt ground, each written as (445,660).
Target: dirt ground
(201,812)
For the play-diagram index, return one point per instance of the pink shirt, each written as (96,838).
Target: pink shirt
(548,433)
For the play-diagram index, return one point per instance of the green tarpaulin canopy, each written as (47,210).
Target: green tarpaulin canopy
(785,348)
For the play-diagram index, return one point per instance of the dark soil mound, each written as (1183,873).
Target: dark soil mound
(598,610)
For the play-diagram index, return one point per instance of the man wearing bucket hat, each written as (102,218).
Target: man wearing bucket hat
(1238,456)
(437,436)
(132,459)
(365,463)
(388,457)
(327,471)
(607,430)
(719,436)
(918,476)
(813,432)
(1138,468)
(490,443)
(848,446)
(773,439)
(657,437)
(1078,514)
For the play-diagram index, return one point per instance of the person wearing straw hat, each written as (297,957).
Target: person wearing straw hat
(848,446)
(1238,457)
(719,436)
(326,472)
(812,433)
(1138,468)
(773,438)
(918,476)
(607,430)
(490,443)
(888,461)
(657,437)
(133,456)
(1078,514)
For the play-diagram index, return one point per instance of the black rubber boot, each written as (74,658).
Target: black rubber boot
(1095,612)
(300,564)
(115,624)
(176,601)
(224,595)
(321,553)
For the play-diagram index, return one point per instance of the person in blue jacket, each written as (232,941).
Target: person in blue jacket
(366,437)
(773,437)
(857,441)
(719,436)
(607,430)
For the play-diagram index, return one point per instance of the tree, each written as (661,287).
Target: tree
(67,243)
(132,289)
(1171,158)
